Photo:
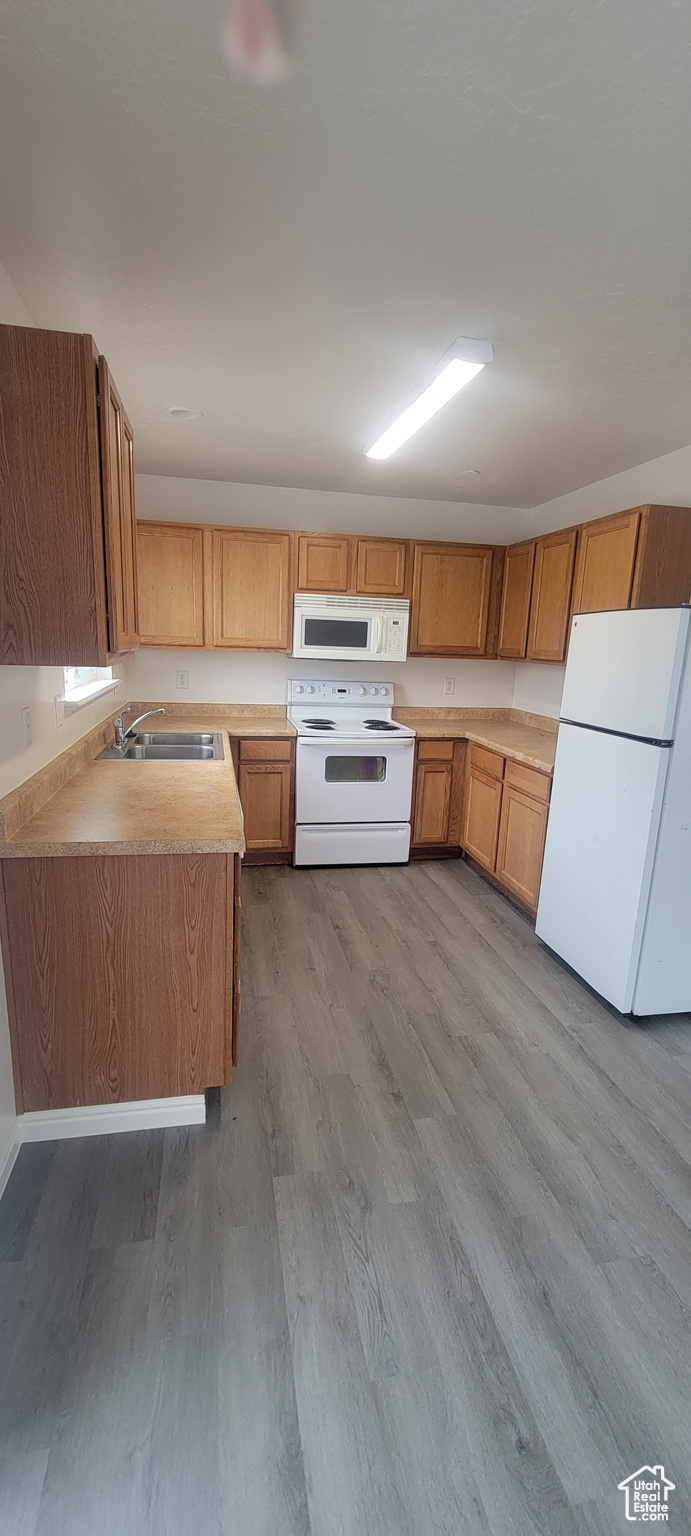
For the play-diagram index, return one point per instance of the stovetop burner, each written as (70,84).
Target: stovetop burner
(322,725)
(379,725)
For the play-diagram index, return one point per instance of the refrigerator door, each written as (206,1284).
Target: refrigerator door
(601,838)
(663,984)
(624,668)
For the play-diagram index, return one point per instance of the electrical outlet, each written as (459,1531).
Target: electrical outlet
(183,679)
(449,685)
(59,710)
(26,727)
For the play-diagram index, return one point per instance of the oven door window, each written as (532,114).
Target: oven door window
(355,770)
(329,634)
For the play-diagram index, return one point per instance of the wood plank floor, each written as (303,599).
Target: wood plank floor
(426,1271)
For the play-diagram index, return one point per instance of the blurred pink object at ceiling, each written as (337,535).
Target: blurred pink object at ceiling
(258,36)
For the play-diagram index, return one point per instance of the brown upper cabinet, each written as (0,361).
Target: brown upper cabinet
(347,564)
(452,586)
(170,559)
(636,559)
(515,602)
(252,570)
(67,531)
(380,567)
(323,563)
(551,595)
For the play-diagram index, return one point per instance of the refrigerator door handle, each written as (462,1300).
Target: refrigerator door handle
(648,741)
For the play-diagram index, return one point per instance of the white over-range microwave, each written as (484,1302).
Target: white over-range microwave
(350,628)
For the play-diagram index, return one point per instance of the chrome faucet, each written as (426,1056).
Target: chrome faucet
(121,734)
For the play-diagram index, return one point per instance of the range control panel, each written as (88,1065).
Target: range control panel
(339,693)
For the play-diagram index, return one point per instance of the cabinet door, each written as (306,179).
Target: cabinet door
(551,596)
(171,584)
(521,845)
(380,567)
(117,470)
(483,806)
(605,563)
(432,808)
(323,563)
(450,605)
(251,582)
(265,794)
(515,601)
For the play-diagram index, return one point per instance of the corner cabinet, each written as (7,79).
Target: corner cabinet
(507,805)
(67,531)
(515,602)
(452,589)
(548,629)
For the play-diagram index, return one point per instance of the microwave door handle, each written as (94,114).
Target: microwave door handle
(376,619)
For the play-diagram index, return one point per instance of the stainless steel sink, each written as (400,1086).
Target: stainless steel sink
(168,746)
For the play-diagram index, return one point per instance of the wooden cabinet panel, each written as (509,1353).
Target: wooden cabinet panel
(515,601)
(520,776)
(117,976)
(489,762)
(380,567)
(483,806)
(53,589)
(662,578)
(117,468)
(252,602)
(171,584)
(435,751)
(521,845)
(265,796)
(450,603)
(551,595)
(605,563)
(267,750)
(432,808)
(323,563)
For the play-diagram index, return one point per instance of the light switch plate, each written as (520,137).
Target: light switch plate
(27,735)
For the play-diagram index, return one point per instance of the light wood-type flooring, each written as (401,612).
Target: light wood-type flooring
(426,1271)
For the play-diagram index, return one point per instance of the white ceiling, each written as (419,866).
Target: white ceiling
(290,261)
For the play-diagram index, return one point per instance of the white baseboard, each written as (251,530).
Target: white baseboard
(8,1155)
(106,1119)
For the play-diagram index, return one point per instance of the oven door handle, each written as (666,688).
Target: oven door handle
(366,744)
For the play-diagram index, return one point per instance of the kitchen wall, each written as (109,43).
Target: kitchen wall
(666,480)
(538,689)
(173,499)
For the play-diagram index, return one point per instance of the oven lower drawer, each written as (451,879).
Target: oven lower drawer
(365,842)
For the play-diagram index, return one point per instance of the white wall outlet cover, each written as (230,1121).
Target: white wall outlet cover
(449,685)
(26,727)
(59,710)
(183,679)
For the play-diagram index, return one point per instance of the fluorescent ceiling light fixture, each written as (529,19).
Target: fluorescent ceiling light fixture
(457,367)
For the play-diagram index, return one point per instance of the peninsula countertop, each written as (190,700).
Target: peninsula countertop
(137,807)
(523,742)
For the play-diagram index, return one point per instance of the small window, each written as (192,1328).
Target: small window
(85,683)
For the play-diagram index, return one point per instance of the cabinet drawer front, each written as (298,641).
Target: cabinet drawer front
(271,751)
(487,762)
(435,751)
(530,780)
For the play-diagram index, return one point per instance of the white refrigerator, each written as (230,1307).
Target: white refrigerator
(615,898)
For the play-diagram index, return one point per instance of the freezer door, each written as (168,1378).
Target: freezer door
(624,669)
(601,837)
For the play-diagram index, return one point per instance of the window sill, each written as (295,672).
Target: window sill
(78,698)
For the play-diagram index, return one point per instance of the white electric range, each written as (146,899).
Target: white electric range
(353,774)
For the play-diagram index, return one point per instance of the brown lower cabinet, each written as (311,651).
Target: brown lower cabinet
(265,782)
(122,976)
(437,789)
(507,805)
